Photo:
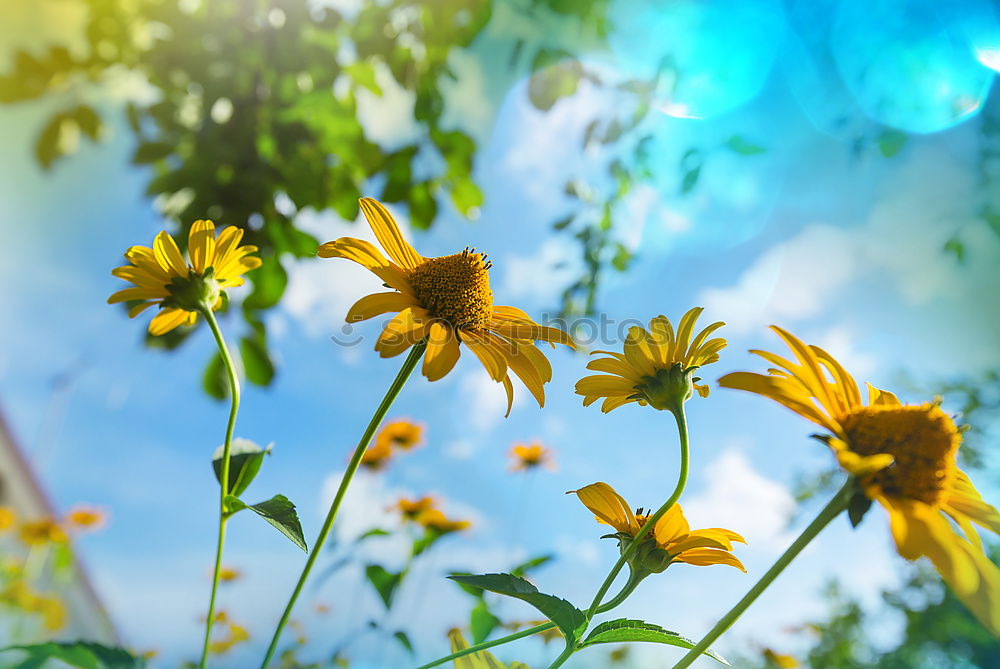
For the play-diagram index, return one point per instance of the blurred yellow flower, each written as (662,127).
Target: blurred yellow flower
(448,301)
(435,520)
(780,660)
(161,276)
(230,574)
(903,457)
(672,535)
(235,634)
(8,518)
(530,456)
(402,434)
(547,635)
(410,509)
(40,532)
(656,366)
(377,456)
(86,518)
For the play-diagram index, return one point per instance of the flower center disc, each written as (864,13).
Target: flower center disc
(922,439)
(455,288)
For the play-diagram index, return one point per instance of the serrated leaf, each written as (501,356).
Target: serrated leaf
(245,459)
(384,581)
(567,617)
(741,146)
(531,565)
(278,511)
(77,654)
(482,622)
(623,630)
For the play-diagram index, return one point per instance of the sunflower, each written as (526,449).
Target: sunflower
(86,518)
(672,539)
(41,532)
(447,301)
(656,366)
(402,434)
(525,457)
(162,277)
(902,456)
(410,509)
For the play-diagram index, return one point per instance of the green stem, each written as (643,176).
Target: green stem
(682,476)
(829,512)
(390,396)
(607,606)
(234,394)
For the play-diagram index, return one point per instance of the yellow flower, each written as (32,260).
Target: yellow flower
(780,660)
(230,574)
(236,634)
(655,367)
(410,509)
(530,456)
(402,434)
(903,457)
(434,519)
(86,518)
(672,539)
(8,518)
(162,277)
(448,301)
(377,456)
(40,532)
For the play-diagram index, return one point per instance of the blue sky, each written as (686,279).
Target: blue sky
(844,250)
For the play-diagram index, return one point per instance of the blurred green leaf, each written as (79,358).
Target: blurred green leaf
(384,581)
(151,152)
(891,142)
(403,640)
(739,145)
(256,360)
(77,654)
(482,622)
(556,74)
(532,564)
(214,380)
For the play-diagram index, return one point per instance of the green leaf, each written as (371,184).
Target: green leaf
(482,622)
(374,532)
(256,361)
(891,142)
(363,74)
(48,146)
(624,630)
(214,380)
(151,152)
(78,654)
(743,147)
(690,180)
(88,121)
(278,511)
(245,459)
(857,508)
(620,261)
(955,247)
(384,581)
(531,565)
(555,74)
(563,223)
(567,617)
(404,640)
(269,282)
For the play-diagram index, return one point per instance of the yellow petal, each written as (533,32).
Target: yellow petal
(167,320)
(611,403)
(684,330)
(138,293)
(406,329)
(671,525)
(966,500)
(604,385)
(365,254)
(781,390)
(704,557)
(388,234)
(442,351)
(376,304)
(492,360)
(168,255)
(608,506)
(201,245)
(639,353)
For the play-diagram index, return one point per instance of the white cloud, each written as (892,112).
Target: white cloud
(468,104)
(790,281)
(742,499)
(485,399)
(541,276)
(388,118)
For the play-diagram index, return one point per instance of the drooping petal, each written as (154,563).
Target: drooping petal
(609,507)
(401,332)
(442,351)
(703,557)
(494,362)
(671,525)
(389,235)
(377,304)
(138,293)
(167,320)
(966,500)
(782,391)
(365,254)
